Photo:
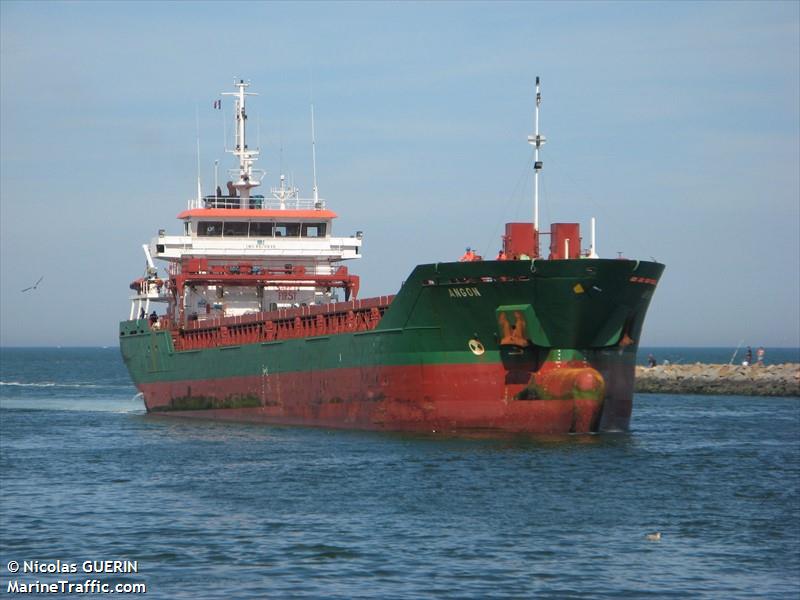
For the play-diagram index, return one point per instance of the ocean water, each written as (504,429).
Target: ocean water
(212,510)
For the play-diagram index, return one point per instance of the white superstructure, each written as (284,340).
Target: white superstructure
(240,253)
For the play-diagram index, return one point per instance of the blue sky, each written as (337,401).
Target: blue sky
(675,124)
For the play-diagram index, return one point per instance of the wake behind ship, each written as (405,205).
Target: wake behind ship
(261,321)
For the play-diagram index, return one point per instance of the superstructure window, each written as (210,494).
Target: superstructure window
(287,229)
(209,228)
(236,229)
(260,229)
(313,230)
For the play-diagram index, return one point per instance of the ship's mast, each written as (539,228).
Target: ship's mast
(246,156)
(314,159)
(537,141)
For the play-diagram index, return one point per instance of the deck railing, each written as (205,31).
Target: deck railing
(257,202)
(282,324)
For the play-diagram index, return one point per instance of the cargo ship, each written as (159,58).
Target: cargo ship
(256,318)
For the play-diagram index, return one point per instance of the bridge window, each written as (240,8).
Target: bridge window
(236,229)
(287,229)
(313,230)
(209,228)
(260,229)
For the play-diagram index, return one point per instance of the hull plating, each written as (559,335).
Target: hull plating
(431,398)
(461,347)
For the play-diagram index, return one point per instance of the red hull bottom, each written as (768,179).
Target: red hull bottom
(419,398)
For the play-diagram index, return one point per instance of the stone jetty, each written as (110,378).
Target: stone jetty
(755,380)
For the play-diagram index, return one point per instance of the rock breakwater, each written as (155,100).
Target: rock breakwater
(770,380)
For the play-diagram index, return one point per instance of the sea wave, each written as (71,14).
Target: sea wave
(53,384)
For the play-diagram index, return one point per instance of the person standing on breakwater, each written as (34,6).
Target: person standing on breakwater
(748,357)
(760,356)
(651,361)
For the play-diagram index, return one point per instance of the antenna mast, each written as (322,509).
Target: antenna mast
(314,158)
(537,141)
(197,125)
(246,156)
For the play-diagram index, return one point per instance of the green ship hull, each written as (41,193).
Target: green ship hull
(544,346)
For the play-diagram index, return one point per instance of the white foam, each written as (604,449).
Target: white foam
(49,384)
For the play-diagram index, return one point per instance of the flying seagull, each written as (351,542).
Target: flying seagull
(35,285)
